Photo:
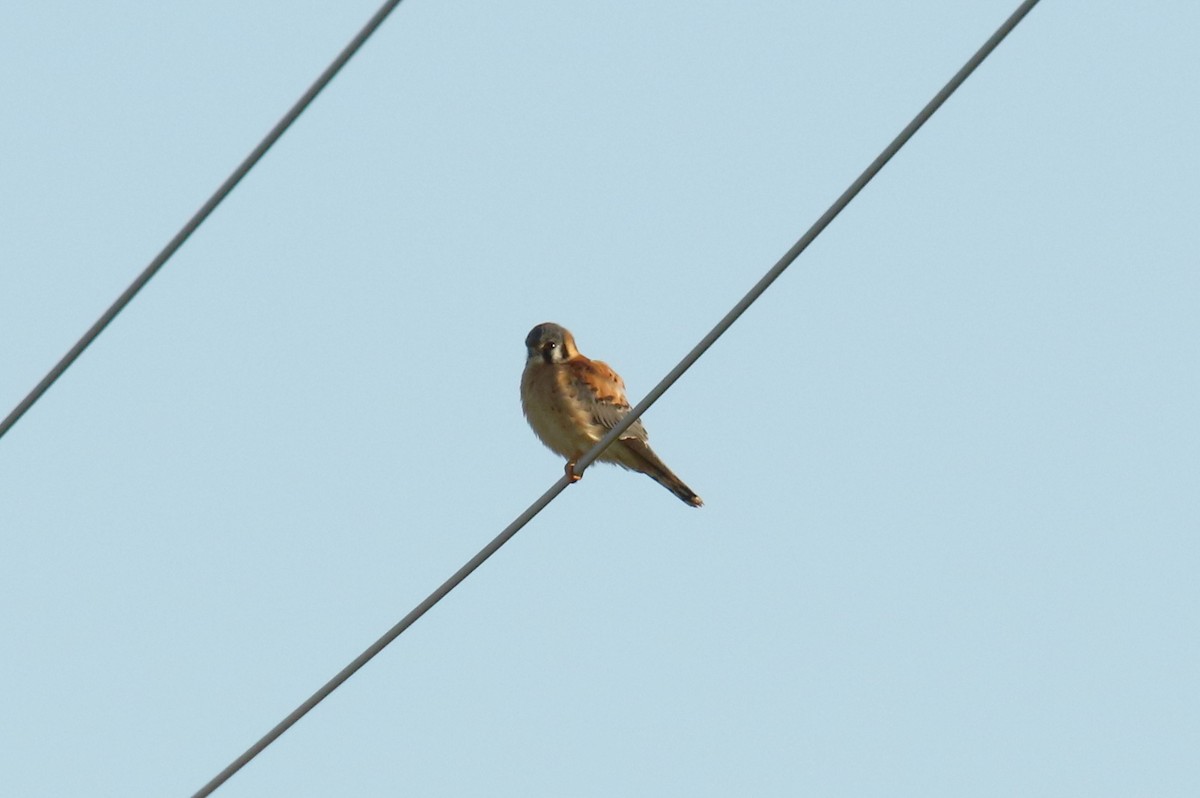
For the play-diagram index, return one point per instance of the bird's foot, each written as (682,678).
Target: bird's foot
(570,471)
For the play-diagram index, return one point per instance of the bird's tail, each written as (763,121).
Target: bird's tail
(643,459)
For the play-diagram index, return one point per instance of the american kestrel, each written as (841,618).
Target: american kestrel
(572,402)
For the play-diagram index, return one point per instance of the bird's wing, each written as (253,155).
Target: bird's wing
(602,392)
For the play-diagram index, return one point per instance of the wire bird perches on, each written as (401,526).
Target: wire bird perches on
(658,390)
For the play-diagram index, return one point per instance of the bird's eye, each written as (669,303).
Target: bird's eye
(550,345)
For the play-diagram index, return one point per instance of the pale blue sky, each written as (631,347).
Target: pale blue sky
(950,460)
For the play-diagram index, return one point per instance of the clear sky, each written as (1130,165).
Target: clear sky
(950,461)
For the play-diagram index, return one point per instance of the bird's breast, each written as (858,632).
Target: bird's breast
(554,410)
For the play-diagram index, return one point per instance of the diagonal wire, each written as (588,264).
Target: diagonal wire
(838,205)
(637,411)
(382,643)
(198,218)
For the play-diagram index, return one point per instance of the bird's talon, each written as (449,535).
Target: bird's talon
(570,471)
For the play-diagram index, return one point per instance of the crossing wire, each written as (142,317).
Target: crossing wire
(198,218)
(667,381)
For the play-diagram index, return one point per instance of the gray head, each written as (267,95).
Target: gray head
(550,343)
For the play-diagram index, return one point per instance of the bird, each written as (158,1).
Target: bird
(571,402)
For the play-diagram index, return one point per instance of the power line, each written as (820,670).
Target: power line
(382,643)
(724,324)
(198,218)
(838,205)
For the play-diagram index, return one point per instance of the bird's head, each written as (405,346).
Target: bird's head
(550,343)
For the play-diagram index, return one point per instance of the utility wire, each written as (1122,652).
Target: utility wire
(667,381)
(838,205)
(382,643)
(198,218)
